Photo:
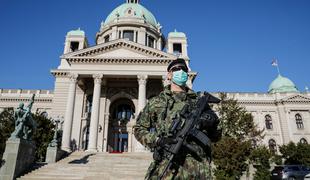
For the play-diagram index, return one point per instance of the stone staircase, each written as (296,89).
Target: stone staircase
(94,166)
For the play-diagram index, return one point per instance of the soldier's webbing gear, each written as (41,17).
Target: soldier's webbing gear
(184,127)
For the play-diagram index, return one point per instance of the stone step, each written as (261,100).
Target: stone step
(82,165)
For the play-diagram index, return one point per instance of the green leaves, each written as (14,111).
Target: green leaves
(260,158)
(236,121)
(6,127)
(43,135)
(231,155)
(296,153)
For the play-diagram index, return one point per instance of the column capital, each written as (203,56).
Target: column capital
(97,78)
(142,79)
(73,77)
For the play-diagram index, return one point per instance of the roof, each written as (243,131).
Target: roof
(77,32)
(282,84)
(176,34)
(131,10)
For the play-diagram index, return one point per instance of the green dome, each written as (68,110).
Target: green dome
(176,34)
(282,84)
(138,11)
(77,32)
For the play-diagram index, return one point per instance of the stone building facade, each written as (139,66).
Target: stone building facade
(99,90)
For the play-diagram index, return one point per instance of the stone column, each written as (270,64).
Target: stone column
(284,125)
(165,81)
(129,145)
(94,119)
(105,133)
(66,137)
(142,79)
(114,35)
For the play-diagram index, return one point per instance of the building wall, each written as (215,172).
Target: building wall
(10,98)
(60,96)
(279,106)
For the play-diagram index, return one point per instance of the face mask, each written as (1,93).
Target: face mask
(179,77)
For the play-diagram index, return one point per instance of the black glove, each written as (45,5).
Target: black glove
(165,141)
(209,120)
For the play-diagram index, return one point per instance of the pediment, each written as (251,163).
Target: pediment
(297,98)
(120,48)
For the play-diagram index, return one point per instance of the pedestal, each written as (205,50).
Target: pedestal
(18,156)
(53,154)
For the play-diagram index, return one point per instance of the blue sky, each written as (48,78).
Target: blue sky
(231,42)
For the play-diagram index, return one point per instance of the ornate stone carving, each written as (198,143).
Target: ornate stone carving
(297,99)
(98,78)
(59,73)
(165,81)
(142,79)
(91,60)
(73,77)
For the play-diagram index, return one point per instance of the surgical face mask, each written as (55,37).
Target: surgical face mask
(179,77)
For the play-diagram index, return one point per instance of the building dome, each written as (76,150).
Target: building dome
(131,10)
(282,84)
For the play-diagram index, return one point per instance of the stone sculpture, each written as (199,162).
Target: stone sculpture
(24,123)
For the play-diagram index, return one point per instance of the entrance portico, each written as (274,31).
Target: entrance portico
(110,108)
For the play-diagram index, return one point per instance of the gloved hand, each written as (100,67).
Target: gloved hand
(165,141)
(209,120)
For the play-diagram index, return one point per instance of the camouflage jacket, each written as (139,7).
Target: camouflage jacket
(155,120)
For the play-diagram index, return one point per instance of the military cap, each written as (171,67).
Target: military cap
(178,62)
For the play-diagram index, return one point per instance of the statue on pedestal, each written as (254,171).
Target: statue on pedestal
(19,154)
(24,123)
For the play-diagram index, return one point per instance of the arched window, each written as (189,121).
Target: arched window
(268,122)
(124,112)
(272,145)
(299,123)
(303,141)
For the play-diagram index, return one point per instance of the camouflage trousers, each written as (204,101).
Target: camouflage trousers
(191,169)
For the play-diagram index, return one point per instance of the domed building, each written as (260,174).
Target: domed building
(283,112)
(100,89)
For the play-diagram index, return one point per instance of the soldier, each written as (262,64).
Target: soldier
(154,121)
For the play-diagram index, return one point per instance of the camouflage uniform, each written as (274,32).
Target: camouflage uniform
(155,120)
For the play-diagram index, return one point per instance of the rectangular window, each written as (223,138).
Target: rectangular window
(128,35)
(74,46)
(146,39)
(106,38)
(151,41)
(177,48)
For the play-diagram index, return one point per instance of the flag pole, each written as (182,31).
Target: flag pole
(275,63)
(278,68)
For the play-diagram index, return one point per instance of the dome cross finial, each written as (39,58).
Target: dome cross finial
(133,1)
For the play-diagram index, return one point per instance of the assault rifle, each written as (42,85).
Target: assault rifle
(186,126)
